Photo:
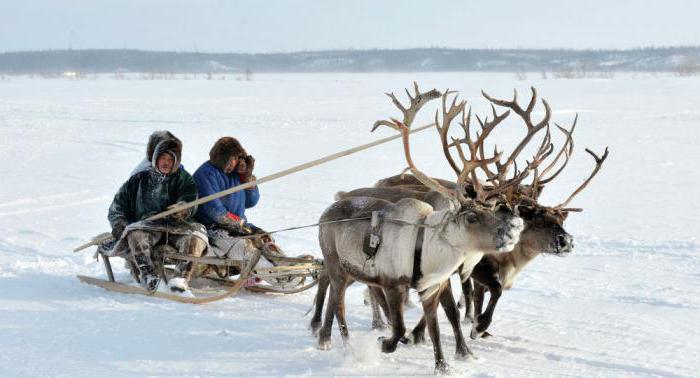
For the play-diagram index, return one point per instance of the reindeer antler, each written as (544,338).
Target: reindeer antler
(566,150)
(532,129)
(475,147)
(416,103)
(598,163)
(447,117)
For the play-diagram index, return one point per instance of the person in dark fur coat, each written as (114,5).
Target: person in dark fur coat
(150,192)
(153,140)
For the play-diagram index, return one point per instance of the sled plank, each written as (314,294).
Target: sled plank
(129,289)
(97,240)
(272,289)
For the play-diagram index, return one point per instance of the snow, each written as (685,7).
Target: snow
(624,303)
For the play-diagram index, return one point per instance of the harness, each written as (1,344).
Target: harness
(417,257)
(373,238)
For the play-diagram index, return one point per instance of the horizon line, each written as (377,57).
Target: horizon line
(356,50)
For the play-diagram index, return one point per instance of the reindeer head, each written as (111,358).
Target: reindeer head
(496,228)
(544,231)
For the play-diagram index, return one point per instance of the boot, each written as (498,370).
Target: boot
(185,270)
(149,279)
(180,284)
(150,282)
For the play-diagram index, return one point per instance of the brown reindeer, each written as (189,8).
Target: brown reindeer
(498,273)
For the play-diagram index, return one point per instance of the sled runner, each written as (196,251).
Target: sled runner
(217,278)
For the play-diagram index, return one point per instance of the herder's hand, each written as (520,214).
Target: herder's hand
(180,215)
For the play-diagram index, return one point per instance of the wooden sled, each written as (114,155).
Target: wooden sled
(302,271)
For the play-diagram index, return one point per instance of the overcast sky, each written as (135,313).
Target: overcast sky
(276,25)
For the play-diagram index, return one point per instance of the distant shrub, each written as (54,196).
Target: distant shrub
(689,66)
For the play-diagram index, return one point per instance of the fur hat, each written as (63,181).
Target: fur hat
(157,137)
(223,150)
(167,146)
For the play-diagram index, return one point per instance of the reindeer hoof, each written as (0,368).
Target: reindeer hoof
(388,345)
(483,322)
(315,328)
(324,345)
(416,338)
(442,368)
(463,355)
(475,334)
(485,335)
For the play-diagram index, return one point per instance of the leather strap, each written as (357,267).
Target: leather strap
(417,256)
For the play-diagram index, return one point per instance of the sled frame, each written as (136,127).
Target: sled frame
(305,266)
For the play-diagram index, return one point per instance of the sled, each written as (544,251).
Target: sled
(298,274)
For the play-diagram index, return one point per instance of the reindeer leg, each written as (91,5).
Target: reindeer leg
(323,283)
(483,321)
(485,275)
(324,335)
(378,300)
(418,333)
(395,300)
(478,307)
(340,312)
(447,301)
(430,310)
(468,293)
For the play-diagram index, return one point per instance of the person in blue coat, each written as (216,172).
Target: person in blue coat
(229,165)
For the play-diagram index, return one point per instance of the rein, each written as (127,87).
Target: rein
(331,222)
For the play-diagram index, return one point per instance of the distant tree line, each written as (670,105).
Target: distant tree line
(565,62)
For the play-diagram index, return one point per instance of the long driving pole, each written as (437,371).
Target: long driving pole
(277,175)
(107,236)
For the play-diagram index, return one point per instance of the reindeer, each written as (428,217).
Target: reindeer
(543,232)
(421,246)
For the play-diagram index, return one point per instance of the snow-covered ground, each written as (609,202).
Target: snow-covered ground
(625,303)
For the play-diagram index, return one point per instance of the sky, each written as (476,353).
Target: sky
(292,25)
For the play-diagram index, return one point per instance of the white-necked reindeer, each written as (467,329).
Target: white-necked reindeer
(420,247)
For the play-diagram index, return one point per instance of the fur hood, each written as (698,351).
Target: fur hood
(159,136)
(170,146)
(223,150)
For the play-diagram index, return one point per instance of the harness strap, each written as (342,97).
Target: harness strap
(331,222)
(417,257)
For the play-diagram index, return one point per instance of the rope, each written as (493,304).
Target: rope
(331,222)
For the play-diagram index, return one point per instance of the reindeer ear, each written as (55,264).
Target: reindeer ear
(538,191)
(454,205)
(509,196)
